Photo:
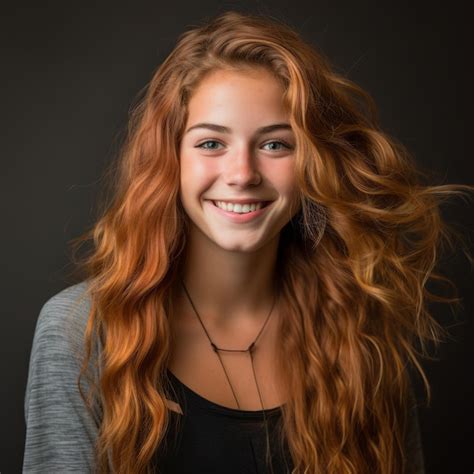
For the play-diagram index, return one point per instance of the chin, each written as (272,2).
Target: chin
(243,247)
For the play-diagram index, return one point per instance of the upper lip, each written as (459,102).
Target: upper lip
(241,200)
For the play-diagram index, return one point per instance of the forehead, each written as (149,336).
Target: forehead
(252,93)
(247,71)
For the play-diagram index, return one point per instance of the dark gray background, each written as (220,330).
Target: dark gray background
(70,72)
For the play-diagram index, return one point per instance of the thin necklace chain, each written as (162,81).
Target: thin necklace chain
(250,350)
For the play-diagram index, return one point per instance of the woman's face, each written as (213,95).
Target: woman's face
(238,146)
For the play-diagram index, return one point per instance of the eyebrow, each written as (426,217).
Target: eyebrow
(222,129)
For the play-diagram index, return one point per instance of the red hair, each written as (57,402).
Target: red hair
(355,305)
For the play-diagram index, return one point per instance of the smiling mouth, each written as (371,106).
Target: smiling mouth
(264,203)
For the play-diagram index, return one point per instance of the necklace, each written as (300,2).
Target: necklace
(250,350)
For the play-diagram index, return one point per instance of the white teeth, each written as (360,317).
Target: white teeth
(239,208)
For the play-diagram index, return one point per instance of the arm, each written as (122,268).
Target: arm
(60,431)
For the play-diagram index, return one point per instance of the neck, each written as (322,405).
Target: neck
(227,287)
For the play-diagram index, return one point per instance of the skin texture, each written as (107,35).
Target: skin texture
(230,266)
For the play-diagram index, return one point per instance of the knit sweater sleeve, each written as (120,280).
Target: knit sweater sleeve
(60,431)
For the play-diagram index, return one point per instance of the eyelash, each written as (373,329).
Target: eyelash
(288,147)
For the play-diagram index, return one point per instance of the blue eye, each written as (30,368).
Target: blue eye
(202,145)
(278,143)
(207,148)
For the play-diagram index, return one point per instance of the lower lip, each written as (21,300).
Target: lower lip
(240,218)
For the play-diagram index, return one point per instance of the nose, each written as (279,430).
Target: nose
(241,168)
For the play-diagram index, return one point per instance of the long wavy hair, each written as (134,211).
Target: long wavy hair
(355,305)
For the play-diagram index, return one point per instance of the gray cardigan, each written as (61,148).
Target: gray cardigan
(60,431)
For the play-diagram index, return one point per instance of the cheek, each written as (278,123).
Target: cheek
(283,178)
(285,183)
(196,175)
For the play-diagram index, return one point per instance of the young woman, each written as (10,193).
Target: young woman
(256,291)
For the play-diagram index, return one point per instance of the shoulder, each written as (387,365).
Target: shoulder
(60,431)
(63,317)
(70,305)
(57,350)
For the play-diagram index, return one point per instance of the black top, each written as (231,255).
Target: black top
(212,438)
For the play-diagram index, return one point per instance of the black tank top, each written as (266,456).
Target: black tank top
(214,439)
